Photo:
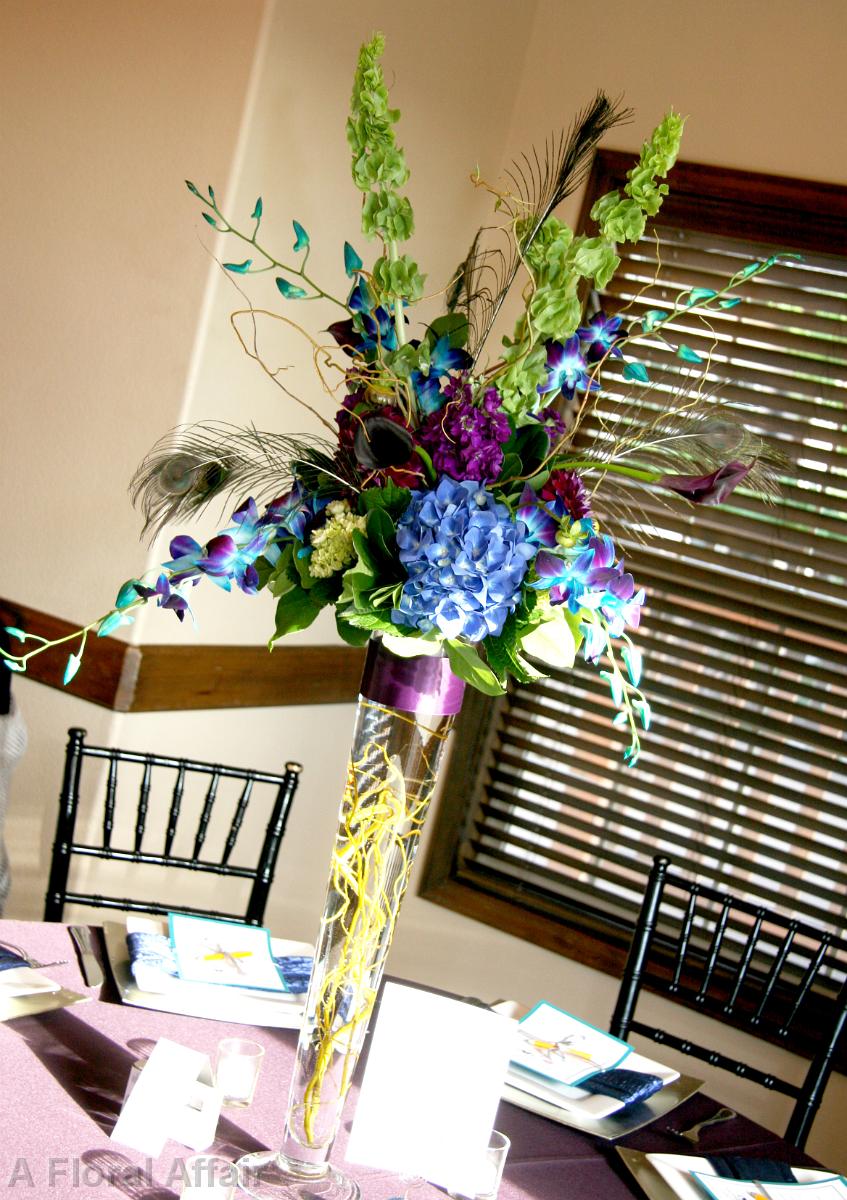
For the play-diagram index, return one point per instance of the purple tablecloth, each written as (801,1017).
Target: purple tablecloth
(63,1074)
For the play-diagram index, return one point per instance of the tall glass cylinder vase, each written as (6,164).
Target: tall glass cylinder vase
(405,711)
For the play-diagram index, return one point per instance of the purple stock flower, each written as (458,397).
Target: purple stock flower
(551,419)
(465,559)
(567,369)
(464,439)
(707,489)
(600,336)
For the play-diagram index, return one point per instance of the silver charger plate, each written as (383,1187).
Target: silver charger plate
(645,1175)
(618,1124)
(243,1006)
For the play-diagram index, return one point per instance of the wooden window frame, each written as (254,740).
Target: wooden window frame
(786,213)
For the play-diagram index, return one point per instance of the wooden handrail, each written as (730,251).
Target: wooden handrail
(159,678)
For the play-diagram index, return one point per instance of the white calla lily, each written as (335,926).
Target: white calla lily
(552,642)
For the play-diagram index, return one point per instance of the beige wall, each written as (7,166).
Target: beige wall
(116,325)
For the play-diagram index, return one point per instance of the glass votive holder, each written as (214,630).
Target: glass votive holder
(237,1070)
(208,1177)
(487,1173)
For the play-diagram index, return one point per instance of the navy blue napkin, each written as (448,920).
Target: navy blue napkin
(9,959)
(764,1170)
(155,950)
(627,1086)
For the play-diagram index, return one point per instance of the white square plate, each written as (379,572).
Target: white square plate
(244,1006)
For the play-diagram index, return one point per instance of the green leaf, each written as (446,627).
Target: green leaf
(289,290)
(239,268)
(256,214)
(452,325)
(431,473)
(532,445)
(351,634)
(371,621)
(636,372)
(393,499)
(381,534)
(511,466)
(689,355)
(361,578)
(301,237)
(296,609)
(466,663)
(698,294)
(284,575)
(730,302)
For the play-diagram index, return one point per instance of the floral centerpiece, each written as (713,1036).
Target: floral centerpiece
(451,511)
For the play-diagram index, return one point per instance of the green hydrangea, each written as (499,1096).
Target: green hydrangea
(332,544)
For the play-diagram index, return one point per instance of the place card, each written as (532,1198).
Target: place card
(431,1087)
(171,1095)
(227,952)
(834,1188)
(563,1047)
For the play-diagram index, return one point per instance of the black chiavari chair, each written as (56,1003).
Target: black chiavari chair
(175,773)
(771,975)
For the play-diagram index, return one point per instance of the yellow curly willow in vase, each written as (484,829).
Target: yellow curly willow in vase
(388,792)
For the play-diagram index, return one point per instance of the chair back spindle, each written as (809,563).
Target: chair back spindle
(176,804)
(770,974)
(276,791)
(109,806)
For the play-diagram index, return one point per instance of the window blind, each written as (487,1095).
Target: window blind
(743,775)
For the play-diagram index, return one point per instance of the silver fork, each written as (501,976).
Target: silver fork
(692,1135)
(31,962)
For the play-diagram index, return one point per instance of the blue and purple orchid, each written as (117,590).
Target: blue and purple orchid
(449,510)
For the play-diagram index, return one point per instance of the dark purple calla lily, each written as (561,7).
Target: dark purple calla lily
(707,489)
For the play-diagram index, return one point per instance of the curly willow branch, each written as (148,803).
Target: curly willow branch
(390,782)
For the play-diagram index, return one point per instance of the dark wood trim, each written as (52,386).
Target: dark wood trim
(245,676)
(773,209)
(176,678)
(769,209)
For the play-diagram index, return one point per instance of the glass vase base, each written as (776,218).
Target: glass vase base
(268,1176)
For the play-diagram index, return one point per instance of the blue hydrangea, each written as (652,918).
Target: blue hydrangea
(465,557)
